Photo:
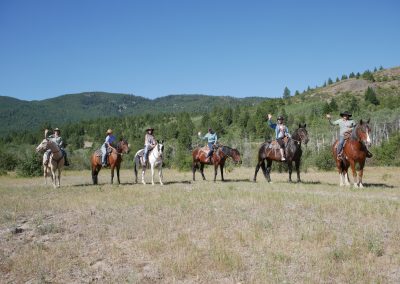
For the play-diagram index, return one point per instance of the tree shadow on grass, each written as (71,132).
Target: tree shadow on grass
(383,185)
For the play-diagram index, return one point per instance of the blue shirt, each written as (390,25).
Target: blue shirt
(109,139)
(279,133)
(210,137)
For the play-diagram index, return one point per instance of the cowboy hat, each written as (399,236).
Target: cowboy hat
(149,128)
(280,118)
(109,131)
(345,113)
(57,129)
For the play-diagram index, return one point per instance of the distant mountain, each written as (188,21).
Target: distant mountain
(19,115)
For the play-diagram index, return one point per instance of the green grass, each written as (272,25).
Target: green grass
(207,232)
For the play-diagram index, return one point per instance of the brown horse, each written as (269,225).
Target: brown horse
(218,159)
(114,160)
(354,152)
(269,151)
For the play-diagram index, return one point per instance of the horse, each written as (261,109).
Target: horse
(155,159)
(269,151)
(219,157)
(354,151)
(55,163)
(114,160)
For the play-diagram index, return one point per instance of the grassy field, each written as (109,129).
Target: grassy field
(201,232)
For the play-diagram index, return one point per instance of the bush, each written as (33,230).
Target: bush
(8,161)
(389,152)
(30,166)
(324,160)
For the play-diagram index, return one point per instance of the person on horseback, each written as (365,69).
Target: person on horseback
(107,143)
(149,143)
(281,131)
(212,139)
(346,125)
(56,138)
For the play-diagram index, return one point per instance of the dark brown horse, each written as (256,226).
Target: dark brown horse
(354,152)
(269,151)
(218,159)
(114,159)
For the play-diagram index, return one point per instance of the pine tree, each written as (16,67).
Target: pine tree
(370,96)
(344,77)
(330,82)
(286,93)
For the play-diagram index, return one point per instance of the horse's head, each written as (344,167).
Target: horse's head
(43,146)
(123,146)
(362,132)
(160,146)
(234,154)
(302,134)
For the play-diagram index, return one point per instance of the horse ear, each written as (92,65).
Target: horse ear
(305,125)
(368,120)
(361,122)
(299,125)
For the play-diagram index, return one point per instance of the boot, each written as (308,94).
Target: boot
(282,155)
(66,163)
(369,154)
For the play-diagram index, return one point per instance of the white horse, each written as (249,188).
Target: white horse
(56,161)
(155,159)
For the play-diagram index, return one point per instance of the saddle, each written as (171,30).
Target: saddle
(99,153)
(140,155)
(273,144)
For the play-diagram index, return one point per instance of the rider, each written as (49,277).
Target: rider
(212,139)
(281,131)
(56,138)
(149,143)
(345,125)
(107,143)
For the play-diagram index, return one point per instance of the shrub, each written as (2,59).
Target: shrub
(8,161)
(30,166)
(324,160)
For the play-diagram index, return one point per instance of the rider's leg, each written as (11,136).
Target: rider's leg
(340,146)
(66,163)
(146,151)
(281,149)
(104,155)
(210,152)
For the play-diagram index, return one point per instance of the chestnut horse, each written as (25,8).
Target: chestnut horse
(114,160)
(269,151)
(354,152)
(218,159)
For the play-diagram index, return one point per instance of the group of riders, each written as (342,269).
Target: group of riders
(345,123)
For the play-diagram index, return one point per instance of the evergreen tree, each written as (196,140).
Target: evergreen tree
(352,75)
(333,105)
(286,93)
(337,79)
(330,82)
(344,77)
(297,93)
(370,96)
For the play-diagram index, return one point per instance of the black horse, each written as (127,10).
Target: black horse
(269,151)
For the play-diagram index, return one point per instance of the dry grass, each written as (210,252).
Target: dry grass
(201,232)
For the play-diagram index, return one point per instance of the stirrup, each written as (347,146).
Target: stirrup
(283,159)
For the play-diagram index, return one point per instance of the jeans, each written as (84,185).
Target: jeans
(104,154)
(340,144)
(210,145)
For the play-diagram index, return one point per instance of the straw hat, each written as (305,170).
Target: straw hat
(109,131)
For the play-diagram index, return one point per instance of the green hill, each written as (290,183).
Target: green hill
(17,115)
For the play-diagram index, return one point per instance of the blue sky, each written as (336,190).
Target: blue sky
(213,47)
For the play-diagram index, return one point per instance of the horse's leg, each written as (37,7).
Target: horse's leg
(53,173)
(194,165)
(119,182)
(353,169)
(135,162)
(360,174)
(143,170)
(290,166)
(215,172)
(221,167)
(297,165)
(257,169)
(112,173)
(152,173)
(45,174)
(268,170)
(202,171)
(160,173)
(59,175)
(95,172)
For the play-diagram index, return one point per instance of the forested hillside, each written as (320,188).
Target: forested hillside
(17,115)
(371,95)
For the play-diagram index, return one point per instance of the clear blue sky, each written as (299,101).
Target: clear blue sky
(215,47)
